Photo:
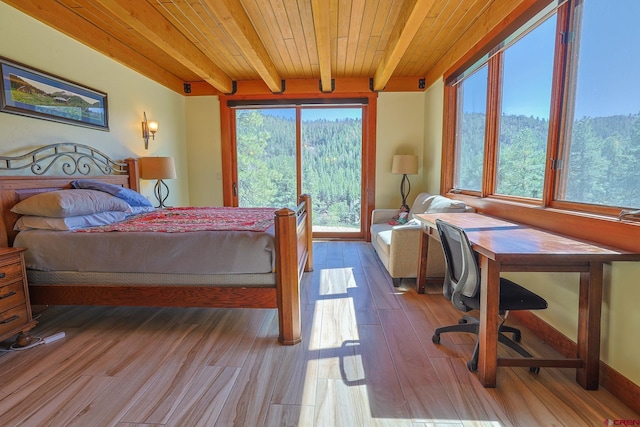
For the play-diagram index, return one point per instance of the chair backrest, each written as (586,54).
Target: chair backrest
(462,275)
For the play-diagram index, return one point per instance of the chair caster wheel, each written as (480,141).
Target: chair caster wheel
(517,337)
(436,339)
(472,366)
(462,321)
(534,370)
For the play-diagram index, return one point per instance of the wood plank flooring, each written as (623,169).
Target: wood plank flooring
(366,360)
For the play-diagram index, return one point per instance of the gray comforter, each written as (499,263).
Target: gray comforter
(201,252)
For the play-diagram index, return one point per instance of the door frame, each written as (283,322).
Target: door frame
(369,119)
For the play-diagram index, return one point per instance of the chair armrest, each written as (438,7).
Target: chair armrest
(383,215)
(405,238)
(404,251)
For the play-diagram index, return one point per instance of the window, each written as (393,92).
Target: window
(562,123)
(471,123)
(527,71)
(603,131)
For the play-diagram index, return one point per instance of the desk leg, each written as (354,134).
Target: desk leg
(421,280)
(488,329)
(589,315)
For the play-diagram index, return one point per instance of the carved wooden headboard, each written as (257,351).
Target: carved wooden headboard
(54,167)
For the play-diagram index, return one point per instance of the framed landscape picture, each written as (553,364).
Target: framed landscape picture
(33,93)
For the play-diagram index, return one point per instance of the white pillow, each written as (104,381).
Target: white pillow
(420,204)
(434,203)
(64,203)
(445,204)
(27,222)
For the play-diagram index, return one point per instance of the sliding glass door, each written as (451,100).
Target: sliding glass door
(285,151)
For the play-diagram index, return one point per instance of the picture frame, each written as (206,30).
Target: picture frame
(29,92)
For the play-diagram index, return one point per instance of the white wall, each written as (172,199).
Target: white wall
(433,127)
(400,130)
(204,145)
(129,95)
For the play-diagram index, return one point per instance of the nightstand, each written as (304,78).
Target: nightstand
(15,309)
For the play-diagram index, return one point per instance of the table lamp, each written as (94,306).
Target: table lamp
(406,164)
(158,168)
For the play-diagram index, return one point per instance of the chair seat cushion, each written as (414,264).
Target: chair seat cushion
(381,234)
(512,297)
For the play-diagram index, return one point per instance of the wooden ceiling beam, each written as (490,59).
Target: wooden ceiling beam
(152,25)
(55,15)
(409,21)
(321,24)
(236,22)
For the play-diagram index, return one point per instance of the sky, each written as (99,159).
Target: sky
(311,114)
(609,65)
(527,72)
(610,53)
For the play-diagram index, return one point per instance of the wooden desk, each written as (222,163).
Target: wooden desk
(507,246)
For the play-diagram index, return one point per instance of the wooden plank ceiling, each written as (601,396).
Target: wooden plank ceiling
(218,45)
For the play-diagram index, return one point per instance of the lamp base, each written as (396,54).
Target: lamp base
(157,189)
(405,189)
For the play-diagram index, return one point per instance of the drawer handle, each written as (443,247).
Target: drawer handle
(3,275)
(10,294)
(10,319)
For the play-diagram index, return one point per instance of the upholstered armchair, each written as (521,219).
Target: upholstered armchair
(398,246)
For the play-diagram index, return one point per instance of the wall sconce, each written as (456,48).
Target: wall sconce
(148,127)
(158,168)
(405,164)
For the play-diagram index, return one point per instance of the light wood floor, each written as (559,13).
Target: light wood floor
(367,359)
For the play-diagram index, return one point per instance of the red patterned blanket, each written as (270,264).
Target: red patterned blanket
(180,220)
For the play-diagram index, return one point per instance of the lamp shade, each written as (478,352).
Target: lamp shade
(157,168)
(405,164)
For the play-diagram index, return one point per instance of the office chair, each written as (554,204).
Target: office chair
(462,287)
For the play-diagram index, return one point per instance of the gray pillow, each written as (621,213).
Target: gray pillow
(132,197)
(65,203)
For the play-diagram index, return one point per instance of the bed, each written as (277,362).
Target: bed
(54,167)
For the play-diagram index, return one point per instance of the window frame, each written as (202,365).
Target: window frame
(572,218)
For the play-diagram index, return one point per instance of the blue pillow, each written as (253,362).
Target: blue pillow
(96,185)
(133,198)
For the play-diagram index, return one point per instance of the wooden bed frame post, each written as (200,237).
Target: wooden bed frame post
(288,290)
(134,173)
